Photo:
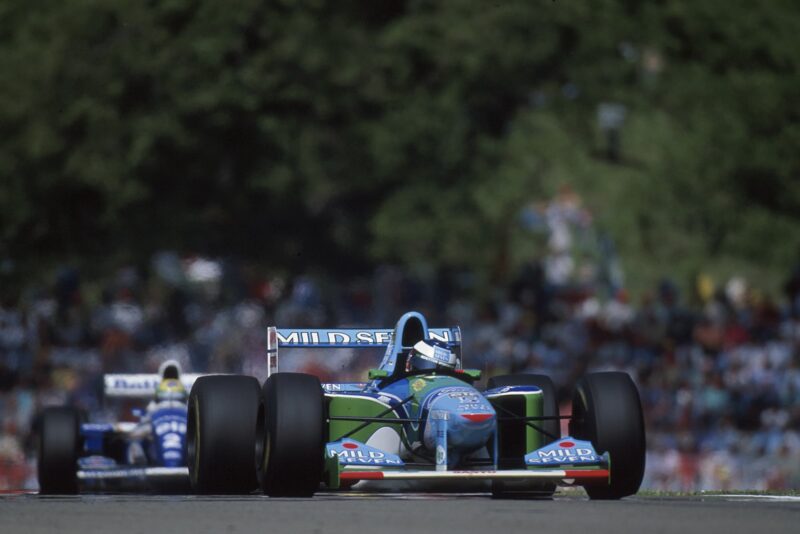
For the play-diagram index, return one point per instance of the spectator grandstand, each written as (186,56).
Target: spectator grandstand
(720,381)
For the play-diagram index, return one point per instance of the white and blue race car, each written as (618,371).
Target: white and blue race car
(150,454)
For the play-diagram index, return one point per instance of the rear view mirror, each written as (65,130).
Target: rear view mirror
(378,373)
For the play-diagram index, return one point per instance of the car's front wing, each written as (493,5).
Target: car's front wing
(136,479)
(580,477)
(121,473)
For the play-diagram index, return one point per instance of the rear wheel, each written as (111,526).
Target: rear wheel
(606,411)
(220,434)
(291,435)
(512,441)
(59,449)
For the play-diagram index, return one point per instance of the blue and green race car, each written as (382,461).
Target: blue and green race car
(419,416)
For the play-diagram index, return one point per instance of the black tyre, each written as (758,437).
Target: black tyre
(60,446)
(512,436)
(606,410)
(221,434)
(291,435)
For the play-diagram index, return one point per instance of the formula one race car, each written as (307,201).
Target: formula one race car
(146,455)
(418,418)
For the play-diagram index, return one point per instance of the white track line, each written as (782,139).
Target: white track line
(757,497)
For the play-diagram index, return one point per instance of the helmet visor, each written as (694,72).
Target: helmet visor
(428,355)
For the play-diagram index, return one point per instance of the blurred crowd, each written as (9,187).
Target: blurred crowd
(720,383)
(718,370)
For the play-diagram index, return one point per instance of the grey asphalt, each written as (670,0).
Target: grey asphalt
(407,514)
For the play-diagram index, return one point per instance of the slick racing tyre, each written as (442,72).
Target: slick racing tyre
(291,435)
(606,411)
(60,446)
(220,434)
(511,437)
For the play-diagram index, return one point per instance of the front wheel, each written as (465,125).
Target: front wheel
(220,434)
(59,448)
(291,435)
(606,411)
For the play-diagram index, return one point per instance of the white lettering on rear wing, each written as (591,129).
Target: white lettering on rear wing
(343,338)
(139,386)
(353,337)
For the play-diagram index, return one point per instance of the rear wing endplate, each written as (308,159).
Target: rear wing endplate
(345,338)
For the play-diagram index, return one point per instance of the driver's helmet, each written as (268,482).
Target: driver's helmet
(428,355)
(170,389)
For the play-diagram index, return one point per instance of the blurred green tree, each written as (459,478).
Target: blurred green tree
(329,135)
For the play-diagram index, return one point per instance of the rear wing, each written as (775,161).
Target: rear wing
(139,386)
(345,338)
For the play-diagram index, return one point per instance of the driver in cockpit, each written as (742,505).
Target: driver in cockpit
(430,355)
(170,393)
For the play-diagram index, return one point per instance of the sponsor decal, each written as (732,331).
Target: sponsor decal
(347,387)
(96,462)
(333,337)
(441,455)
(565,456)
(136,384)
(441,355)
(171,441)
(351,452)
(468,401)
(472,407)
(296,337)
(463,395)
(444,336)
(513,389)
(344,337)
(170,426)
(566,451)
(418,385)
(364,457)
(456,392)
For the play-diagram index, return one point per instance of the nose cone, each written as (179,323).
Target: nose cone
(471,420)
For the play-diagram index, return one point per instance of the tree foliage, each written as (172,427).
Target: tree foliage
(315,133)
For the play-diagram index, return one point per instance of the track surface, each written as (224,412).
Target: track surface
(407,513)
